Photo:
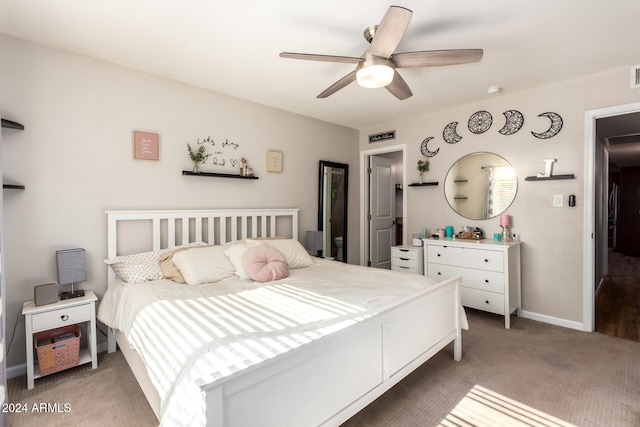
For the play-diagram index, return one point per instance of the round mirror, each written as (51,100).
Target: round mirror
(480,186)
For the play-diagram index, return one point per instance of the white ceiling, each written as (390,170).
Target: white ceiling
(232,46)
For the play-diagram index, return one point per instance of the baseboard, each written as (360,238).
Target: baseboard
(553,320)
(21,369)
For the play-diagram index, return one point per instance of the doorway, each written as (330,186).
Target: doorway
(398,154)
(617,300)
(596,212)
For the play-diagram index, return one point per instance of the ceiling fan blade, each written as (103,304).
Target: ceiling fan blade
(390,31)
(398,87)
(349,78)
(436,58)
(325,58)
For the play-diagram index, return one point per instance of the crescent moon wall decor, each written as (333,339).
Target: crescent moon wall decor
(513,123)
(554,129)
(449,133)
(480,122)
(424,149)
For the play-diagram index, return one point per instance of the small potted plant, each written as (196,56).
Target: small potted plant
(423,166)
(198,156)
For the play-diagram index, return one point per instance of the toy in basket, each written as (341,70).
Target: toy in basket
(58,349)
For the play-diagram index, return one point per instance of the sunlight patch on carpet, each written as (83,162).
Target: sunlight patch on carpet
(482,407)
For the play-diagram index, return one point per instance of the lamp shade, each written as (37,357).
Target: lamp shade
(72,266)
(314,240)
(375,76)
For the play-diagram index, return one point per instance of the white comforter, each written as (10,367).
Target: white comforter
(190,335)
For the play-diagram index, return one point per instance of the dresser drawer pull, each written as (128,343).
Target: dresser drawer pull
(403,250)
(404,259)
(486,260)
(439,274)
(438,254)
(64,317)
(486,301)
(402,266)
(486,280)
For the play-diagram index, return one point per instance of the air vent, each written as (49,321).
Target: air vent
(623,139)
(635,77)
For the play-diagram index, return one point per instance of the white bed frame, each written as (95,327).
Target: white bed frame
(324,382)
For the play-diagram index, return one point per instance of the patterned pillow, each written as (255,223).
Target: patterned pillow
(136,268)
(264,263)
(141,267)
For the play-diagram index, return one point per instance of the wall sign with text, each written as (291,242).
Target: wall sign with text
(146,146)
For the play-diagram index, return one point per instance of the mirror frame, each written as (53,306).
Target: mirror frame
(345,167)
(450,181)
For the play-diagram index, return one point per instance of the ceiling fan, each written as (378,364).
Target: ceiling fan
(377,66)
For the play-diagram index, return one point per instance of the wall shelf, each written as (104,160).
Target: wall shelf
(549,178)
(8,124)
(11,125)
(217,175)
(424,184)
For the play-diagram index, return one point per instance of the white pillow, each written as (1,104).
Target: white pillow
(296,255)
(235,252)
(203,265)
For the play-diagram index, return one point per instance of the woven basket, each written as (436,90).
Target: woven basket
(61,355)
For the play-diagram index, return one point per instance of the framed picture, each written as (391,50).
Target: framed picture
(145,145)
(274,161)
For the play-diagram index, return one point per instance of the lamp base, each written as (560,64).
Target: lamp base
(72,294)
(506,234)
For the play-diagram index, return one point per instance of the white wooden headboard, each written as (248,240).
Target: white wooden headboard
(171,228)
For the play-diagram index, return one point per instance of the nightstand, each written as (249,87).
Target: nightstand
(407,258)
(62,313)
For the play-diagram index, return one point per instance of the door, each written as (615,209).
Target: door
(382,211)
(629,212)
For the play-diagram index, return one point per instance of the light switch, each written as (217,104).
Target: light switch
(558,201)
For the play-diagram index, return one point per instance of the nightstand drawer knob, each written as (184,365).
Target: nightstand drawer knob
(64,317)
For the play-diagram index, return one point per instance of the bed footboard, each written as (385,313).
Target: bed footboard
(330,380)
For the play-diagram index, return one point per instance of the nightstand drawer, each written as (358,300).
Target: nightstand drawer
(61,317)
(405,269)
(404,253)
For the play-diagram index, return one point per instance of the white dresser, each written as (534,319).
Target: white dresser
(407,258)
(490,272)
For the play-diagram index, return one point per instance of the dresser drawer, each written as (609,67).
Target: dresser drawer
(479,279)
(466,257)
(482,300)
(404,253)
(62,317)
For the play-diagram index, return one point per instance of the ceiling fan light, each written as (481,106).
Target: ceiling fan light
(374,76)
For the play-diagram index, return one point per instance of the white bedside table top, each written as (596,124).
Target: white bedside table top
(30,307)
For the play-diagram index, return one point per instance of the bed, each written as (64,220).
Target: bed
(311,348)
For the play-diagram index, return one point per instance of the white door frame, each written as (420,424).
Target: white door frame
(588,252)
(364,194)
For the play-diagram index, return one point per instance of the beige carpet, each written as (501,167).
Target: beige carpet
(567,376)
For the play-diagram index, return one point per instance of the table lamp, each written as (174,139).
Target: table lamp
(72,268)
(314,241)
